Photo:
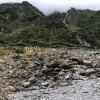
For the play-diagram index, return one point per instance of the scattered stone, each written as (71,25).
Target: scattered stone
(51,85)
(78,59)
(10,89)
(81,71)
(22,73)
(92,77)
(67,77)
(32,79)
(32,66)
(39,58)
(34,88)
(90,71)
(61,73)
(16,58)
(96,63)
(57,69)
(26,84)
(47,71)
(44,69)
(64,84)
(45,84)
(2,61)
(88,62)
(65,65)
(53,64)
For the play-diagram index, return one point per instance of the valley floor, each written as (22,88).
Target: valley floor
(80,90)
(49,74)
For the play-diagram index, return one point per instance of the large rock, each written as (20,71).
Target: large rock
(81,71)
(63,84)
(10,89)
(32,79)
(65,65)
(90,71)
(96,63)
(67,77)
(88,62)
(2,61)
(45,84)
(39,58)
(61,73)
(76,58)
(22,73)
(16,58)
(32,66)
(54,63)
(26,84)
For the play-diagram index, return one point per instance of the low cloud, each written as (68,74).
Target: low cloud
(49,6)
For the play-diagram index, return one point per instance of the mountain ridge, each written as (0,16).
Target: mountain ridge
(23,24)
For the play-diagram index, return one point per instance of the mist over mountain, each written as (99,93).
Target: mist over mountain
(49,6)
(25,25)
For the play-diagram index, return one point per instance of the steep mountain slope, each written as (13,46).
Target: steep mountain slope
(26,25)
(17,15)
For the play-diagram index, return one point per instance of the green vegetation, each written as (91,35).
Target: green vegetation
(21,24)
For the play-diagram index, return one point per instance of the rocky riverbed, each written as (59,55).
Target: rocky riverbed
(80,90)
(57,71)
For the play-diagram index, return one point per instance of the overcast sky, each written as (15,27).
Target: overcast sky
(49,6)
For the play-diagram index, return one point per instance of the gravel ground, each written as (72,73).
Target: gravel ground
(80,90)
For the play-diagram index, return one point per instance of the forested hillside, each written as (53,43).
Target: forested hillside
(23,24)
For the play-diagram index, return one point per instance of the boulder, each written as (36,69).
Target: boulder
(34,88)
(57,69)
(87,62)
(96,63)
(63,84)
(65,65)
(76,58)
(67,77)
(90,71)
(32,79)
(51,85)
(26,84)
(22,73)
(54,64)
(2,61)
(39,58)
(81,71)
(61,73)
(45,84)
(10,89)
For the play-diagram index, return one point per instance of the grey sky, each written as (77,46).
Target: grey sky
(49,6)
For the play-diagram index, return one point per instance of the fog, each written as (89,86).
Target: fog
(49,6)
